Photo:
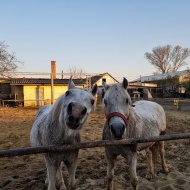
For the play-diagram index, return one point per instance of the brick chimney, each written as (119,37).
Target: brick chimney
(53,69)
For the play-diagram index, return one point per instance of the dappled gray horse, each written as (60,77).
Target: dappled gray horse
(124,121)
(59,124)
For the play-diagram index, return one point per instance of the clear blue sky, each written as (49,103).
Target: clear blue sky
(94,35)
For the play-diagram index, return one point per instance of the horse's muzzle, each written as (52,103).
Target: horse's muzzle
(73,126)
(117,130)
(76,112)
(73,122)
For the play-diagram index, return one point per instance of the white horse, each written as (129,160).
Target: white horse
(59,124)
(124,121)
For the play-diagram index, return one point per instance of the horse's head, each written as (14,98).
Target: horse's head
(117,108)
(77,105)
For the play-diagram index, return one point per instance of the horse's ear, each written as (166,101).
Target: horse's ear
(71,83)
(94,90)
(125,83)
(106,86)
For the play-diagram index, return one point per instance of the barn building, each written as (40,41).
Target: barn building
(38,91)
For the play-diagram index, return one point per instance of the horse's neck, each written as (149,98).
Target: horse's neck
(133,116)
(56,110)
(60,132)
(134,121)
(52,119)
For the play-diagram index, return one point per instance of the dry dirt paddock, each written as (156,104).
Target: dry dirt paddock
(28,172)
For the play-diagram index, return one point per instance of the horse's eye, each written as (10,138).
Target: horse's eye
(127,101)
(92,102)
(67,93)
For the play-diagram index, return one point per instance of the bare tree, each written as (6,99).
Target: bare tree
(168,59)
(178,57)
(8,61)
(77,73)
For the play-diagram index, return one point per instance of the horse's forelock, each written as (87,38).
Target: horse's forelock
(118,89)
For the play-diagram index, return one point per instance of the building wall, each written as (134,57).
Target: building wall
(33,94)
(32,98)
(109,80)
(184,78)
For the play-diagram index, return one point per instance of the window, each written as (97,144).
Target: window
(103,80)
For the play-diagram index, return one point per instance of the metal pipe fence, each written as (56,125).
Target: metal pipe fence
(174,103)
(171,103)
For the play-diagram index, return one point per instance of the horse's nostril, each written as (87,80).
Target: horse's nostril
(123,128)
(84,111)
(69,109)
(112,129)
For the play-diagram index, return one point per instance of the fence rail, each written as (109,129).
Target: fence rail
(169,103)
(90,144)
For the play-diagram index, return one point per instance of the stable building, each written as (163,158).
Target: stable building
(38,91)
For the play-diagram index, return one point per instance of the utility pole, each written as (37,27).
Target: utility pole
(88,82)
(53,76)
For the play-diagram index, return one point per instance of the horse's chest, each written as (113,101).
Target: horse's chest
(65,156)
(117,150)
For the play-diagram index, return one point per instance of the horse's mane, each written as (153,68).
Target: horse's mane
(56,109)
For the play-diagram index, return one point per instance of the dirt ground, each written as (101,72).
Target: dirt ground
(28,172)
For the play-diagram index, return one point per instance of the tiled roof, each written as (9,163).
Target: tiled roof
(95,78)
(21,81)
(46,81)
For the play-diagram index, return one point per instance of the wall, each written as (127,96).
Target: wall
(109,80)
(32,97)
(184,78)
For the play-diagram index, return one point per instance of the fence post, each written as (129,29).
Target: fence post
(52,90)
(178,105)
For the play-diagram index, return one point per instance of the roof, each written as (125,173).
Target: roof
(160,76)
(20,81)
(46,81)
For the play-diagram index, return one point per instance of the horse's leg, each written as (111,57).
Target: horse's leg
(59,179)
(162,156)
(95,103)
(94,106)
(151,167)
(71,164)
(51,173)
(131,156)
(110,169)
(46,180)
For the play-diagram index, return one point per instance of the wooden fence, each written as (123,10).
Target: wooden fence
(92,144)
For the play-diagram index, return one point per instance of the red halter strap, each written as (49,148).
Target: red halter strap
(126,120)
